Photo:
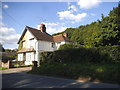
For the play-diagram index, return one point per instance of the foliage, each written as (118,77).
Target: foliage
(25,65)
(77,54)
(1,68)
(69,46)
(45,57)
(17,63)
(112,51)
(107,73)
(100,33)
(1,48)
(97,57)
(9,54)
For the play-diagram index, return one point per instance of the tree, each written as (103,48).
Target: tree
(1,48)
(99,33)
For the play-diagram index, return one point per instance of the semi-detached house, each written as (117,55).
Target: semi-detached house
(34,41)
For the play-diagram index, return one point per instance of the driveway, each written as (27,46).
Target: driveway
(18,78)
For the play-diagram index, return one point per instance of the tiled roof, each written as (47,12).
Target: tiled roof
(44,36)
(60,37)
(40,35)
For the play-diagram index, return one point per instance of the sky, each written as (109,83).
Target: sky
(57,16)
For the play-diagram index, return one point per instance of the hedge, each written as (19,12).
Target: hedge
(112,51)
(77,55)
(106,73)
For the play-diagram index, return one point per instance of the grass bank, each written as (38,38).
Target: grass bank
(106,73)
(3,68)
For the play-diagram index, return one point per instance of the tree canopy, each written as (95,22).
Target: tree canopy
(104,32)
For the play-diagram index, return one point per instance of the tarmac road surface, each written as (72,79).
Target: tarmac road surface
(18,78)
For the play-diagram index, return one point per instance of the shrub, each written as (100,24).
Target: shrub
(45,57)
(77,55)
(112,51)
(101,72)
(16,63)
(70,46)
(74,55)
(1,68)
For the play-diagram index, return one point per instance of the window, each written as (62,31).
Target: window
(52,45)
(31,42)
(23,43)
(59,43)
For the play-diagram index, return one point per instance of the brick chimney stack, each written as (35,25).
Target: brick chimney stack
(42,28)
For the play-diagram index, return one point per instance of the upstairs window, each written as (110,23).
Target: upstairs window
(31,42)
(52,45)
(23,43)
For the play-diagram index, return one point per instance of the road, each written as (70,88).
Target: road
(18,78)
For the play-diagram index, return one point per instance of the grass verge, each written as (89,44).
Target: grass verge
(106,73)
(3,68)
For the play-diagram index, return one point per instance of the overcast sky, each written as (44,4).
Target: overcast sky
(57,16)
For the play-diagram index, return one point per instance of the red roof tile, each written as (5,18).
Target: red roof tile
(60,37)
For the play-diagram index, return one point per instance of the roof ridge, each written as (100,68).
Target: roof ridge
(44,36)
(31,27)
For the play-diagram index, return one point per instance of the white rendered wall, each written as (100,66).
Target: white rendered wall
(28,43)
(45,46)
(59,43)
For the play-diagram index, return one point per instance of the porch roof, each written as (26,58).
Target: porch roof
(26,50)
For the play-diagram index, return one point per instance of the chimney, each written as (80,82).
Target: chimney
(42,28)
(65,34)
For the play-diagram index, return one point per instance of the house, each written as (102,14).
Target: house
(34,41)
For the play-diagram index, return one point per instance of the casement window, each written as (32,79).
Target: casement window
(52,45)
(58,42)
(23,43)
(31,42)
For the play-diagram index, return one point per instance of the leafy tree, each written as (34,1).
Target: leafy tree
(1,48)
(104,32)
(9,54)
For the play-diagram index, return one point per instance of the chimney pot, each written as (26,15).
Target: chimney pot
(42,28)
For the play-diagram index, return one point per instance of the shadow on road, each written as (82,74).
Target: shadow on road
(24,80)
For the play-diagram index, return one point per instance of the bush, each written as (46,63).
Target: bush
(101,72)
(17,63)
(112,51)
(1,68)
(45,57)
(74,56)
(105,54)
(70,46)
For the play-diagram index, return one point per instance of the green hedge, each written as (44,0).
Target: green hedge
(107,73)
(77,55)
(112,51)
(69,46)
